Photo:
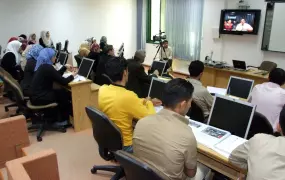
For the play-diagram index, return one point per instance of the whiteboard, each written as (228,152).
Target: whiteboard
(277,37)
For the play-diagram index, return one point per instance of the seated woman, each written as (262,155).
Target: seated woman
(42,92)
(45,40)
(138,80)
(32,39)
(31,58)
(11,59)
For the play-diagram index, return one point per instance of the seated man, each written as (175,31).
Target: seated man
(270,96)
(120,104)
(165,141)
(201,95)
(263,155)
(138,79)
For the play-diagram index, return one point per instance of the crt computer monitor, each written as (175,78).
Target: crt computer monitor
(158,65)
(85,67)
(240,87)
(231,115)
(62,58)
(156,88)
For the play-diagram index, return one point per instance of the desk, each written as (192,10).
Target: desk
(84,93)
(219,163)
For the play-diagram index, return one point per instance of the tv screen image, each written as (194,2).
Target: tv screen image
(239,21)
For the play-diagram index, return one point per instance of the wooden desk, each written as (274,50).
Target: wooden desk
(84,93)
(219,163)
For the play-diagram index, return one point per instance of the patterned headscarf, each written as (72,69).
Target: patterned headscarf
(95,47)
(34,52)
(45,57)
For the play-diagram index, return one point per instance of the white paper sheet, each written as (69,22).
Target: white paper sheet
(214,90)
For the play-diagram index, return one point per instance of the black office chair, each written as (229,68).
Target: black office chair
(134,168)
(78,59)
(109,139)
(259,124)
(196,113)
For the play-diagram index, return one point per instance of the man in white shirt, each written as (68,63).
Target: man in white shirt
(270,96)
(243,26)
(263,155)
(167,55)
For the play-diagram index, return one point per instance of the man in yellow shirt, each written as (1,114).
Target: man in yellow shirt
(120,104)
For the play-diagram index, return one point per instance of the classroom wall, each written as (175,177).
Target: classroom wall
(228,47)
(74,20)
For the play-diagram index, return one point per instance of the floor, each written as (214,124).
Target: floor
(76,152)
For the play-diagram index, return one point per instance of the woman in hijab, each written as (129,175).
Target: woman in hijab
(103,42)
(11,59)
(45,40)
(42,92)
(84,44)
(32,39)
(31,57)
(20,38)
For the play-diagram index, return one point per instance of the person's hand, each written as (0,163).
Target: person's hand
(156,72)
(74,73)
(69,67)
(156,102)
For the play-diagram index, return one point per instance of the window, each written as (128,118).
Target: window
(155,18)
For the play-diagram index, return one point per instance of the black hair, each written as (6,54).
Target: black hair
(165,41)
(115,68)
(196,68)
(107,49)
(277,76)
(23,36)
(176,91)
(282,119)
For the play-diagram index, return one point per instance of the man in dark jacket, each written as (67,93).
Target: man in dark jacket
(138,80)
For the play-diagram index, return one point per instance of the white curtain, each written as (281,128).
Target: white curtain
(183,25)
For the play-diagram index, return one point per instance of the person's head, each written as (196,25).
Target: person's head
(83,52)
(242,21)
(46,56)
(196,69)
(281,124)
(103,39)
(34,52)
(109,50)
(177,96)
(48,34)
(23,36)
(165,44)
(95,47)
(277,76)
(140,56)
(33,36)
(229,21)
(117,70)
(15,47)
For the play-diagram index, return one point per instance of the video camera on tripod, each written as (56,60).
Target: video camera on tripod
(159,37)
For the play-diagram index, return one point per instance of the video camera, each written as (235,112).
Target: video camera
(159,37)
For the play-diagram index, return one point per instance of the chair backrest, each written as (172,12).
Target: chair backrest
(13,86)
(267,66)
(105,132)
(78,59)
(196,113)
(259,124)
(134,168)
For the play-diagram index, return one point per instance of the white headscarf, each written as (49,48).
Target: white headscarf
(14,47)
(47,41)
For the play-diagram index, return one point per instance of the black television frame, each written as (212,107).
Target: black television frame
(256,21)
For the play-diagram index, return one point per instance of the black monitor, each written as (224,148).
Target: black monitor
(158,65)
(231,115)
(156,88)
(62,58)
(240,87)
(85,67)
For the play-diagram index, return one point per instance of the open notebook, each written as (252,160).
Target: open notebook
(77,78)
(219,140)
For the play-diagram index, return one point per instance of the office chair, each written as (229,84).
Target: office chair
(107,79)
(65,49)
(134,168)
(196,113)
(259,124)
(78,59)
(109,139)
(266,66)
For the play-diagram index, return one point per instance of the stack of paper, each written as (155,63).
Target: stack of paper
(214,90)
